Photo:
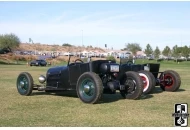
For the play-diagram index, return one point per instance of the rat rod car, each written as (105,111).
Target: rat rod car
(90,80)
(169,80)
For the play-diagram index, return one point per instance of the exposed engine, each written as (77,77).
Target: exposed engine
(109,73)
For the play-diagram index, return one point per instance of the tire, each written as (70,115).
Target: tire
(174,83)
(133,85)
(149,81)
(24,84)
(89,87)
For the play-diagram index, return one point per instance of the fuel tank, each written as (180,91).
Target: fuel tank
(109,67)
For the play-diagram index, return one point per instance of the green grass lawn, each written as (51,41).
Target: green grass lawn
(66,109)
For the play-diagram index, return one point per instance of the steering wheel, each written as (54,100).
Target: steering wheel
(78,60)
(129,62)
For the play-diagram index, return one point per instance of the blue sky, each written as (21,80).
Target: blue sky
(111,23)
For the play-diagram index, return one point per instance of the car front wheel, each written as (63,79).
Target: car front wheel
(89,87)
(25,84)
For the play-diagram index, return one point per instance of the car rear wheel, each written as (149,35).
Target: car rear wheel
(148,81)
(25,84)
(170,81)
(133,85)
(89,87)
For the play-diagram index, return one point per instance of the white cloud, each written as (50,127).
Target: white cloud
(95,24)
(54,26)
(89,28)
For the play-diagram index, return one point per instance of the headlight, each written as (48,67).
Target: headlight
(146,68)
(42,79)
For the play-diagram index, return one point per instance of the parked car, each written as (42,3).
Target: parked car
(90,80)
(168,80)
(38,63)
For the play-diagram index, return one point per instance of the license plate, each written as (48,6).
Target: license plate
(114,68)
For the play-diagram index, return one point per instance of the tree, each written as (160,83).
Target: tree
(185,51)
(111,58)
(148,50)
(156,52)
(9,41)
(166,51)
(176,51)
(67,44)
(89,46)
(133,47)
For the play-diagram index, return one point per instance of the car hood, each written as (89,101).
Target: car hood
(56,70)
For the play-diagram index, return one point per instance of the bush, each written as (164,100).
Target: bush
(67,44)
(179,60)
(159,60)
(22,58)
(30,58)
(111,58)
(14,57)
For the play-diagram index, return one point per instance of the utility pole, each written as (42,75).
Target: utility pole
(181,40)
(30,40)
(82,37)
(181,43)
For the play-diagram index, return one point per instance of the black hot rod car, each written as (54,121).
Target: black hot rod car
(90,80)
(169,80)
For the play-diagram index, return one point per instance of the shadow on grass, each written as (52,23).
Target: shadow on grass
(106,98)
(180,90)
(145,96)
(159,90)
(54,93)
